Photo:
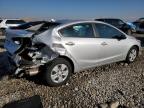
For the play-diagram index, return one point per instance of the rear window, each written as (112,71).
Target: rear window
(15,22)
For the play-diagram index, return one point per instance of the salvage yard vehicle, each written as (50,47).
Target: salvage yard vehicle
(6,23)
(58,49)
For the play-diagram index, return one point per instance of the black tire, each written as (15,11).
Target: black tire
(128,59)
(48,72)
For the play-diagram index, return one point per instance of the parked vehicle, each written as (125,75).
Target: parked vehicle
(128,29)
(57,49)
(6,23)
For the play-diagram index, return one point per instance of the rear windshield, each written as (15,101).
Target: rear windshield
(15,22)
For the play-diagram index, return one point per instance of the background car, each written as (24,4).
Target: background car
(6,23)
(119,24)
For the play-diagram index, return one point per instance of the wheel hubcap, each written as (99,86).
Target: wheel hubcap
(132,55)
(59,73)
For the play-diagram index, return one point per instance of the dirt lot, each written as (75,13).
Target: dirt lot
(121,82)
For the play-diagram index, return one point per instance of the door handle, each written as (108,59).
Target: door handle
(70,43)
(104,43)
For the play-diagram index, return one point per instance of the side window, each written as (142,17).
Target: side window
(0,21)
(78,30)
(105,31)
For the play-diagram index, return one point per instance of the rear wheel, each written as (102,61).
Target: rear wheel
(132,54)
(58,72)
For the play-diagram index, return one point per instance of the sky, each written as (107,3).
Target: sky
(72,9)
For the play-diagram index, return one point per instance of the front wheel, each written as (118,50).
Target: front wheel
(58,72)
(132,55)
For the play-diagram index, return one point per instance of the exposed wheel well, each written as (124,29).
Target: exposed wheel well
(68,59)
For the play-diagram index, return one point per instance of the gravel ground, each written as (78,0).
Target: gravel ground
(115,82)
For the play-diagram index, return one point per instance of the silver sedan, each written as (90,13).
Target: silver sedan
(75,46)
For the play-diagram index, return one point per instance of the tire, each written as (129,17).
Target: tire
(57,72)
(132,55)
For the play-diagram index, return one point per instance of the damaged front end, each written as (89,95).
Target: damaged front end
(25,54)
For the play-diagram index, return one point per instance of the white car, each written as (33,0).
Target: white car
(6,23)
